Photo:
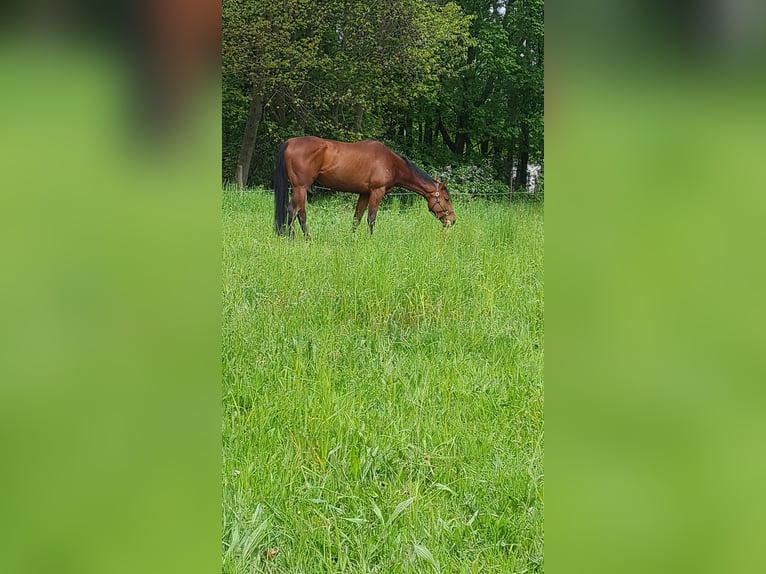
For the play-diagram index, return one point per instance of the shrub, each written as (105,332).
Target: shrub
(474,180)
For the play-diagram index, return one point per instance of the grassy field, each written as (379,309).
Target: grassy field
(383,396)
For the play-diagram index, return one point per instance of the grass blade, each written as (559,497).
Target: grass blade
(376,510)
(356,520)
(401,507)
(441,486)
(425,554)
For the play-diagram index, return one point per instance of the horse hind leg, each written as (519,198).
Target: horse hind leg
(361,205)
(302,220)
(291,221)
(298,209)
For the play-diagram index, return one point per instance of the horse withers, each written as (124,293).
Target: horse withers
(367,168)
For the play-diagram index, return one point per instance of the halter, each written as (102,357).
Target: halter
(445,212)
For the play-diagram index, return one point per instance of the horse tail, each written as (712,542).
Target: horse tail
(279,182)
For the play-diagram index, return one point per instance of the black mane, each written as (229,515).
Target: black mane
(417,170)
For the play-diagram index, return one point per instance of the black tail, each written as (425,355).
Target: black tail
(281,193)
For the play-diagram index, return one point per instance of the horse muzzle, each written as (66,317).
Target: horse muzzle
(448,220)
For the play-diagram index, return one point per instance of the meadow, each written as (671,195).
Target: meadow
(383,396)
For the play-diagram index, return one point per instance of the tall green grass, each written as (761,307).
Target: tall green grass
(383,396)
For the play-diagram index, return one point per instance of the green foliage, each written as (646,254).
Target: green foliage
(394,70)
(477,180)
(383,396)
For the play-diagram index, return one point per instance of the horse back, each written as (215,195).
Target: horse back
(356,167)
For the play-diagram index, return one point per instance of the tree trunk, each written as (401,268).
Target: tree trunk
(445,135)
(522,168)
(358,115)
(428,136)
(242,171)
(461,137)
(462,141)
(281,109)
(497,151)
(509,166)
(408,130)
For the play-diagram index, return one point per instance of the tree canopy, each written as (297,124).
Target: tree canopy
(447,82)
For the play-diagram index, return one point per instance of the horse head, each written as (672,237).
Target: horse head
(440,205)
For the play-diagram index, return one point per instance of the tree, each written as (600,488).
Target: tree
(493,105)
(269,46)
(460,78)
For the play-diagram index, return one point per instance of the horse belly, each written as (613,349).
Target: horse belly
(343,182)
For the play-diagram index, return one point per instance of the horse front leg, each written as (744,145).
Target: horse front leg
(361,205)
(372,210)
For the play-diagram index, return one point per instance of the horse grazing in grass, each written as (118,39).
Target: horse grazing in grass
(368,168)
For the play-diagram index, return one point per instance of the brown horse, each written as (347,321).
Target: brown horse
(368,168)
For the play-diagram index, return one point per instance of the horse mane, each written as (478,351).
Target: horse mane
(413,168)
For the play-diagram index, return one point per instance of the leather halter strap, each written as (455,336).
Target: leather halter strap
(437,201)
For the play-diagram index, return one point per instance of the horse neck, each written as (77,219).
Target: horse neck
(412,181)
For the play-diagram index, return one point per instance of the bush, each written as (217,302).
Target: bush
(474,180)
